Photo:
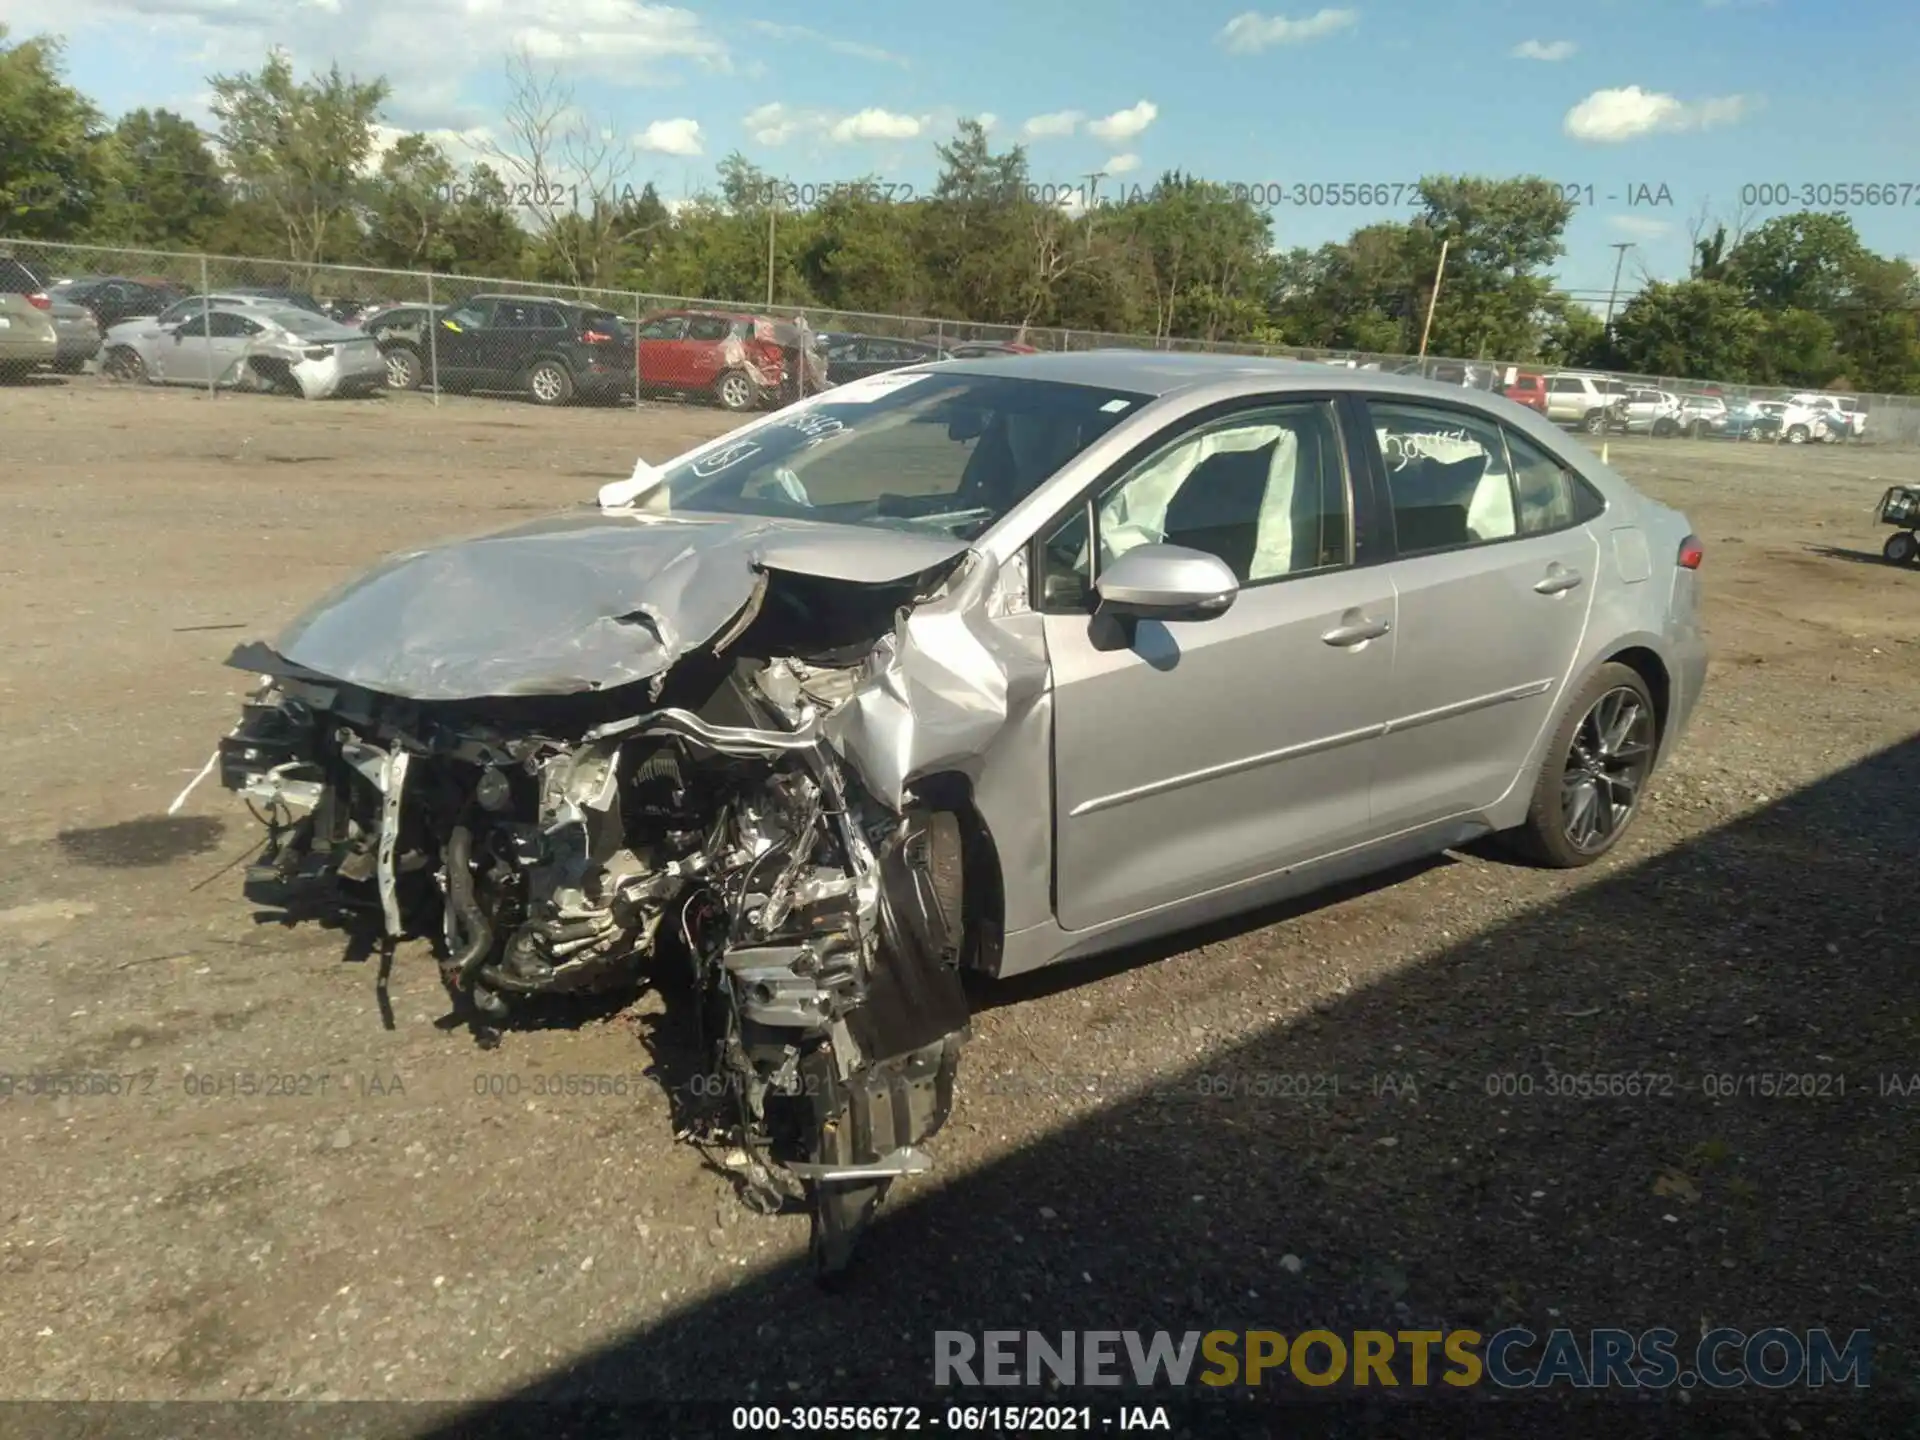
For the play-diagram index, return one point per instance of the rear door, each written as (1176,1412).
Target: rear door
(1494,570)
(704,355)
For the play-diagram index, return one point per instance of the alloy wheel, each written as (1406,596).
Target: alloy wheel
(545,382)
(1607,765)
(735,393)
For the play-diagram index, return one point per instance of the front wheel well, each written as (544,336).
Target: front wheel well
(1652,669)
(984,905)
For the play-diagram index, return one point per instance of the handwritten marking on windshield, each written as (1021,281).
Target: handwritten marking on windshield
(720,459)
(817,428)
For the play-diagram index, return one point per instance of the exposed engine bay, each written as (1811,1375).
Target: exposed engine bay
(568,843)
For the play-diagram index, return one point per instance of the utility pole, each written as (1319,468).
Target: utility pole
(773,213)
(1622,246)
(1434,299)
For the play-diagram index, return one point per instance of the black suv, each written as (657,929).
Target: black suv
(553,350)
(113,298)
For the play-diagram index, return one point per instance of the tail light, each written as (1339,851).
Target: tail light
(1691,553)
(39,300)
(597,337)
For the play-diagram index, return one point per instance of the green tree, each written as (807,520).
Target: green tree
(169,190)
(298,150)
(1503,236)
(1699,328)
(1797,262)
(55,166)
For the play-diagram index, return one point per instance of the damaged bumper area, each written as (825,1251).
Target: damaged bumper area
(710,810)
(312,370)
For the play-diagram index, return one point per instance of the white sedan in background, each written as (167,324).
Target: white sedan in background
(248,347)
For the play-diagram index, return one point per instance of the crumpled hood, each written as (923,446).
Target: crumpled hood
(575,602)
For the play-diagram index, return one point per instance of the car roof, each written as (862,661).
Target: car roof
(1158,373)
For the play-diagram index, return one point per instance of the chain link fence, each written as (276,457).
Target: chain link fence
(1891,419)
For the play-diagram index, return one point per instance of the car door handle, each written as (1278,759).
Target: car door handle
(1357,632)
(1558,581)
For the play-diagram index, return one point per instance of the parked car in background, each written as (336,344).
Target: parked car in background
(250,347)
(1703,415)
(849,357)
(1754,420)
(1652,412)
(982,349)
(553,350)
(1802,424)
(1586,402)
(1524,387)
(737,359)
(1845,420)
(401,333)
(113,298)
(27,337)
(190,305)
(76,334)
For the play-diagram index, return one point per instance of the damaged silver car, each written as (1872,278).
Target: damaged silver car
(241,345)
(977,666)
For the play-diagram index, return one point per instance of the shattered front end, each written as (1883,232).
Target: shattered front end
(570,843)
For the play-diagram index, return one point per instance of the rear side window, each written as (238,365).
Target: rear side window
(1547,496)
(17,279)
(1560,385)
(707,327)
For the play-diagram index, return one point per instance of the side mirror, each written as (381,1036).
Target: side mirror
(967,425)
(1166,582)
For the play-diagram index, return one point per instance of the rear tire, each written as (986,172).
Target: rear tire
(549,382)
(734,390)
(1595,423)
(1797,435)
(1594,775)
(1902,548)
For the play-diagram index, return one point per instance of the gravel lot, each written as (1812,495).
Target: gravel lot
(422,1219)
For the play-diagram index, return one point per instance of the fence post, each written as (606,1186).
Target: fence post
(206,327)
(433,342)
(637,312)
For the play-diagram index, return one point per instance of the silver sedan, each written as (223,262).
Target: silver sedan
(986,665)
(247,346)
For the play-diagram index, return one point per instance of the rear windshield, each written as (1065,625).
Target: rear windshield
(605,321)
(17,279)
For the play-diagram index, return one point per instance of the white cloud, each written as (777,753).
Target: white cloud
(1643,227)
(839,47)
(1122,164)
(1125,124)
(1252,32)
(462,147)
(776,124)
(670,137)
(1054,124)
(1544,50)
(987,121)
(873,124)
(1609,116)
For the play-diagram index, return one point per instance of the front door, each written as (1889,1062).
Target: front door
(658,339)
(1201,754)
(1495,570)
(459,341)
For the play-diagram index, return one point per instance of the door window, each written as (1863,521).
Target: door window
(707,327)
(1264,490)
(224,325)
(196,325)
(1448,475)
(666,327)
(471,316)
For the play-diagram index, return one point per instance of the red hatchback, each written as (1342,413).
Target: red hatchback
(1528,389)
(738,360)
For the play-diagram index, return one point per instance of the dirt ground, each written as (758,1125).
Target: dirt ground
(278,1196)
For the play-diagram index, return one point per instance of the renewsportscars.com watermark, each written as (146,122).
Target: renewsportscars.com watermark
(1511,1359)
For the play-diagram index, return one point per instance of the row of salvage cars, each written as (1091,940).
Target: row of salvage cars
(971,666)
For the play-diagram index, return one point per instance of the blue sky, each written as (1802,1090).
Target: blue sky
(1617,99)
